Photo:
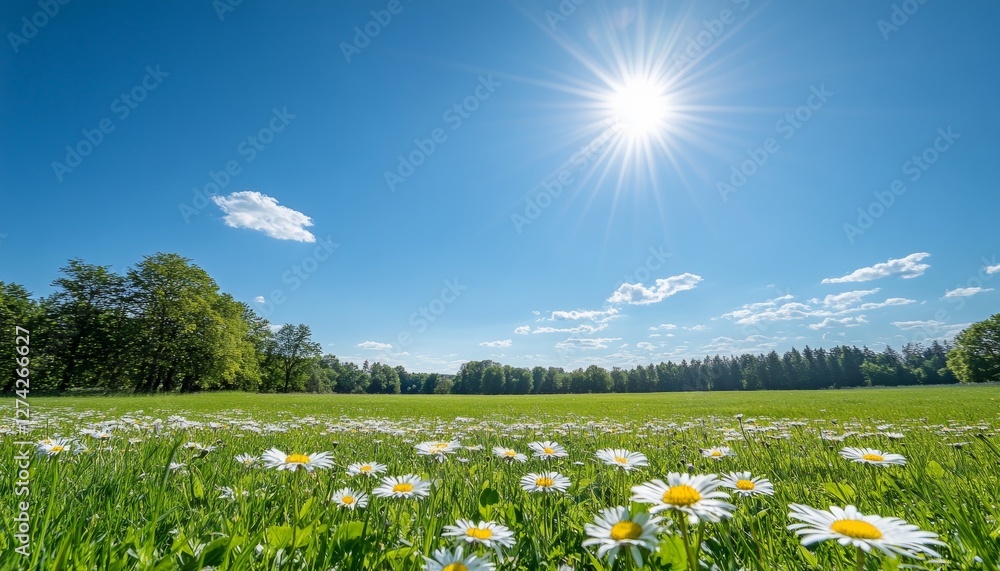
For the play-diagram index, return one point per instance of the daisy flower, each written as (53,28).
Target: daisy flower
(848,526)
(717,453)
(369,469)
(615,528)
(873,456)
(350,499)
(408,486)
(277,459)
(623,459)
(509,454)
(547,450)
(54,447)
(486,533)
(746,485)
(438,450)
(545,482)
(696,496)
(246,459)
(448,560)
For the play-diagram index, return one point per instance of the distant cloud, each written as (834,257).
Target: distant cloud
(375,345)
(591,314)
(993,269)
(583,328)
(836,305)
(832,321)
(664,326)
(596,343)
(908,268)
(965,292)
(255,211)
(501,343)
(522,330)
(639,294)
(645,345)
(259,299)
(908,325)
(698,327)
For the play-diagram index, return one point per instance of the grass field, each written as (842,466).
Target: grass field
(153,482)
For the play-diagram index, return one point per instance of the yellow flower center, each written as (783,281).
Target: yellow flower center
(621,460)
(856,529)
(682,495)
(509,453)
(625,530)
(874,458)
(716,453)
(347,500)
(365,468)
(544,482)
(296,459)
(548,450)
(455,567)
(744,485)
(479,533)
(57,449)
(403,487)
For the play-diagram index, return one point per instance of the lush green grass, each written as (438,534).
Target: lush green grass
(936,404)
(118,505)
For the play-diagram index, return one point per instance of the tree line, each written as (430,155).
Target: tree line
(164,326)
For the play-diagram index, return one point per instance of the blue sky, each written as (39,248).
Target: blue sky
(426,183)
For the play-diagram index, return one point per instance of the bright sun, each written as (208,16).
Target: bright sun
(639,106)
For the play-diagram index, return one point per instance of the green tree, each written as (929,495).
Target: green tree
(976,355)
(493,380)
(291,351)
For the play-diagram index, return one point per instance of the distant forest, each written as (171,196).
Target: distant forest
(164,326)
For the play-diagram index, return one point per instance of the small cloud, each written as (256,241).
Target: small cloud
(596,343)
(645,345)
(501,343)
(698,327)
(523,330)
(255,211)
(536,312)
(259,299)
(965,292)
(374,345)
(908,268)
(639,294)
(989,269)
(589,314)
(663,326)
(832,321)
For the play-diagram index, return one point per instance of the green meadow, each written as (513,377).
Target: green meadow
(153,482)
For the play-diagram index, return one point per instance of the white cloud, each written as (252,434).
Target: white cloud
(965,292)
(908,267)
(256,211)
(664,326)
(375,345)
(836,305)
(698,327)
(591,314)
(584,328)
(595,343)
(909,325)
(832,321)
(259,299)
(993,269)
(645,345)
(500,343)
(522,330)
(638,294)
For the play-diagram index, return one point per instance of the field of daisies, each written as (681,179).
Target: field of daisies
(795,482)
